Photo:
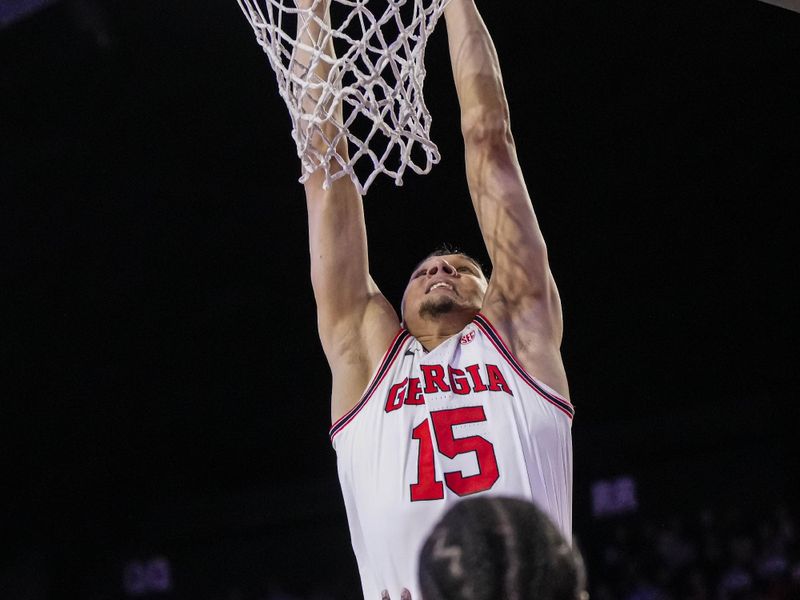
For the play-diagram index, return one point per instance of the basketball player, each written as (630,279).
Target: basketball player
(468,395)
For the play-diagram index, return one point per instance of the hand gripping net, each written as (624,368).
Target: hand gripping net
(377,77)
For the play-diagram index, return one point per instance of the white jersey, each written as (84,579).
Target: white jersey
(434,427)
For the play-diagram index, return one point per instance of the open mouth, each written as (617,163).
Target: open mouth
(441,284)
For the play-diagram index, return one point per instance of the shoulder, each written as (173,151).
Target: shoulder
(356,350)
(531,336)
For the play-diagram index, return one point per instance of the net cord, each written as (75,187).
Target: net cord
(377,80)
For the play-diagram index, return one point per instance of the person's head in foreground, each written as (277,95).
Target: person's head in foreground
(446,286)
(490,548)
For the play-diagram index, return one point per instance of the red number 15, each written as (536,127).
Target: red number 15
(427,487)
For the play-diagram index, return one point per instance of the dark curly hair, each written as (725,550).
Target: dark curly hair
(490,548)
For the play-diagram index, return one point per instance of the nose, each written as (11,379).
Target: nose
(441,265)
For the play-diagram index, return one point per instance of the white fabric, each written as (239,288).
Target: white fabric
(377,76)
(378,459)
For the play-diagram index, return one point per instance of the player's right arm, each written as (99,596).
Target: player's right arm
(356,323)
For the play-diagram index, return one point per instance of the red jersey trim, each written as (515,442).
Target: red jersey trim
(494,336)
(383,368)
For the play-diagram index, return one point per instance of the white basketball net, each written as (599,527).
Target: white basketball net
(378,78)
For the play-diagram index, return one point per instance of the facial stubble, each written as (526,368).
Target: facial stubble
(433,308)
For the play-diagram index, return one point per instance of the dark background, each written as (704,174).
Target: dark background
(165,392)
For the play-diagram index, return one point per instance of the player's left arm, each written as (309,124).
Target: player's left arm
(522,299)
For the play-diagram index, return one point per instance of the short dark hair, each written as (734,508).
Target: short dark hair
(487,548)
(445,249)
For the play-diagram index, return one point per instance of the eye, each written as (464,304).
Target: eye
(419,273)
(465,270)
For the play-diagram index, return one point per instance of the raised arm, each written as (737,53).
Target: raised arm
(522,298)
(356,323)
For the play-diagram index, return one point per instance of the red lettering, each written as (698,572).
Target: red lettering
(496,381)
(451,446)
(458,381)
(477,383)
(434,379)
(426,488)
(414,392)
(397,394)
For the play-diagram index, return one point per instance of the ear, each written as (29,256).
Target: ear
(403,308)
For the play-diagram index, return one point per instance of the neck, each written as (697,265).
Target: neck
(433,332)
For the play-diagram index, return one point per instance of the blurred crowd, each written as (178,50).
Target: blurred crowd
(726,554)
(712,554)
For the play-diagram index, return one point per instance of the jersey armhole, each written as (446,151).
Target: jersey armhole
(380,372)
(543,390)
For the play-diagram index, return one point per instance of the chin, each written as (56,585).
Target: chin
(437,307)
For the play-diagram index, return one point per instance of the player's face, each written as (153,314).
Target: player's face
(442,285)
